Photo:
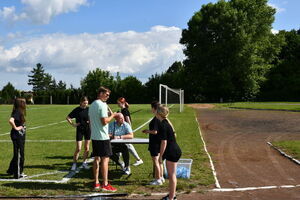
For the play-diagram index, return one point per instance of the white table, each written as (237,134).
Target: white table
(130,141)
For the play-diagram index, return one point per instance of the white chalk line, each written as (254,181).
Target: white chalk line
(217,184)
(36,127)
(284,154)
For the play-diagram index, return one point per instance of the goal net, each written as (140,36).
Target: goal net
(171,97)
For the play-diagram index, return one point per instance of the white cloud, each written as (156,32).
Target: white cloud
(278,9)
(66,56)
(40,11)
(274,31)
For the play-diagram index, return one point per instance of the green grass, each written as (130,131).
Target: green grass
(41,157)
(291,148)
(289,106)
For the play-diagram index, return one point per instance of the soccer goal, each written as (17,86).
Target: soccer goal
(169,96)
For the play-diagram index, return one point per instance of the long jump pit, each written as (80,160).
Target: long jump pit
(246,167)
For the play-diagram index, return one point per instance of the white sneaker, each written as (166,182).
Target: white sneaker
(127,170)
(23,175)
(162,179)
(74,166)
(138,162)
(156,182)
(122,165)
(85,166)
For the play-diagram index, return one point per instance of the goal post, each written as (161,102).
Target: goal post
(169,95)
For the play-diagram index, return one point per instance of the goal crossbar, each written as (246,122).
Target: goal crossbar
(179,92)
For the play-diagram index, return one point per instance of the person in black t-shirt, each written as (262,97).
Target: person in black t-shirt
(17,134)
(122,103)
(154,146)
(169,149)
(80,113)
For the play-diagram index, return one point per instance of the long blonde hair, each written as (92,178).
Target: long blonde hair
(163,112)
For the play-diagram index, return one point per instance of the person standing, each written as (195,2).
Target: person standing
(122,103)
(80,113)
(99,120)
(154,146)
(17,135)
(169,149)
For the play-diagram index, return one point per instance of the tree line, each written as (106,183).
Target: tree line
(231,55)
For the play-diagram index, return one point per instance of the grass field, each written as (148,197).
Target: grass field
(292,148)
(42,156)
(289,106)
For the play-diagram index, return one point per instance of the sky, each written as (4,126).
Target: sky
(72,37)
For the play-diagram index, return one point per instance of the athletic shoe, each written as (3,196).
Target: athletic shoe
(162,179)
(96,186)
(167,198)
(127,170)
(108,188)
(138,162)
(122,165)
(22,175)
(156,182)
(74,166)
(85,166)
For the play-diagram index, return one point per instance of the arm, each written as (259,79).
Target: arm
(106,120)
(163,146)
(127,119)
(153,132)
(11,121)
(71,122)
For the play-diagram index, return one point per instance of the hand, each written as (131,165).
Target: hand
(75,125)
(160,160)
(145,131)
(19,128)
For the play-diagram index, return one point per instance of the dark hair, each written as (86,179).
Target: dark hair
(84,98)
(123,100)
(155,104)
(20,105)
(103,89)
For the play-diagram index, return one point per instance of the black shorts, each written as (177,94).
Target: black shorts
(83,132)
(172,154)
(154,150)
(102,148)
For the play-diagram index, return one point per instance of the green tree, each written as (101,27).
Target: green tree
(229,49)
(9,93)
(132,89)
(37,78)
(93,80)
(284,79)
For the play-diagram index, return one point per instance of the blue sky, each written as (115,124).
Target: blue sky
(71,37)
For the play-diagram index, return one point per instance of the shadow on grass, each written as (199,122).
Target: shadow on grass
(60,157)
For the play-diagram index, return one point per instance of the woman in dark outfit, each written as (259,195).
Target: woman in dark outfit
(154,146)
(169,149)
(17,135)
(80,113)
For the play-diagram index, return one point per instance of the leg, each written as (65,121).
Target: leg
(77,151)
(104,169)
(125,154)
(96,169)
(86,149)
(171,168)
(22,157)
(156,167)
(133,151)
(115,151)
(14,161)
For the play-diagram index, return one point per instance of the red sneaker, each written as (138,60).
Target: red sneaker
(108,188)
(96,186)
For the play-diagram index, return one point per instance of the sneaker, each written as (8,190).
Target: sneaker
(22,175)
(156,182)
(96,186)
(167,198)
(85,166)
(162,179)
(127,170)
(122,165)
(108,188)
(138,162)
(74,166)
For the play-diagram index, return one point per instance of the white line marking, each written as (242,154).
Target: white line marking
(210,160)
(4,141)
(142,125)
(48,173)
(253,188)
(32,128)
(284,154)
